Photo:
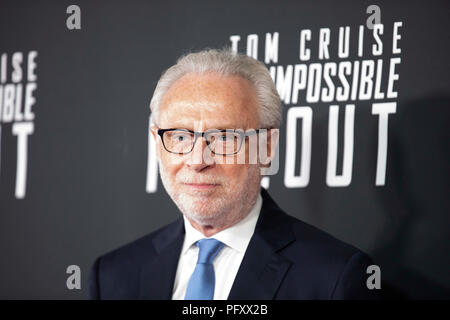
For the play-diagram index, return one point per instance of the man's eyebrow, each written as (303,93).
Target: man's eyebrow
(221,127)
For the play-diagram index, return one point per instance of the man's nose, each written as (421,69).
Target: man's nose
(200,157)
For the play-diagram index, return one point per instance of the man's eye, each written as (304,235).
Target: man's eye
(180,137)
(226,138)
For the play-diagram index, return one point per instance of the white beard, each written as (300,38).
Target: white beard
(217,211)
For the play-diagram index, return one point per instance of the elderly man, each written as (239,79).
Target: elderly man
(233,241)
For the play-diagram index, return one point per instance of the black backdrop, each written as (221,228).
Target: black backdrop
(87,187)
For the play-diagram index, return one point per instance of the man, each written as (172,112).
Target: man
(233,241)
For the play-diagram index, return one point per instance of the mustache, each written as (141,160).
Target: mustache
(196,180)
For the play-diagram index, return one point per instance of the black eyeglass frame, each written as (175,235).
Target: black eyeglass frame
(197,134)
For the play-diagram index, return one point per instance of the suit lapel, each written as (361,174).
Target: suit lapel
(263,269)
(157,274)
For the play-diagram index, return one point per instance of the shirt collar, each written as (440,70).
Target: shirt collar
(237,236)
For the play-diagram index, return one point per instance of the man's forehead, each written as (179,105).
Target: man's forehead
(209,81)
(212,100)
(210,88)
(196,118)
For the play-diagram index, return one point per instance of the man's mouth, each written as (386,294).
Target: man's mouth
(201,186)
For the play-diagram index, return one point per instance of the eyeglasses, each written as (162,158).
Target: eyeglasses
(220,142)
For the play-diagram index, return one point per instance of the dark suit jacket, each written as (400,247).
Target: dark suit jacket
(285,259)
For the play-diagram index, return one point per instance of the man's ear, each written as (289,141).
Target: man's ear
(273,137)
(272,141)
(154,132)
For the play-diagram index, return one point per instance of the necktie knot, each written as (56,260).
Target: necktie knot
(208,250)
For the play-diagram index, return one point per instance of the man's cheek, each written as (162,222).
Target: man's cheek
(170,161)
(230,179)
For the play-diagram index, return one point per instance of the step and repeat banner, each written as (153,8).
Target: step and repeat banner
(364,149)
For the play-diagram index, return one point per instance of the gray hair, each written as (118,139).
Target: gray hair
(225,62)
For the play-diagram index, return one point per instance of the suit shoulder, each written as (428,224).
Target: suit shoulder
(320,243)
(116,274)
(333,269)
(309,239)
(137,249)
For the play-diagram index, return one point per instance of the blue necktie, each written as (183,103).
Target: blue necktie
(202,281)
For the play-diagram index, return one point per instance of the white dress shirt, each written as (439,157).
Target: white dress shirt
(226,264)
